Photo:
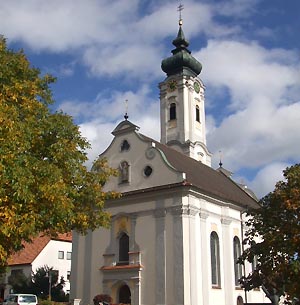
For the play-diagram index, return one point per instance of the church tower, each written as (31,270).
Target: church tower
(182,111)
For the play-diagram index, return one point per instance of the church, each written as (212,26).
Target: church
(176,231)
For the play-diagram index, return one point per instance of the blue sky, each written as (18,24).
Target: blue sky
(104,52)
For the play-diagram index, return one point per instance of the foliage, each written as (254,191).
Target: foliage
(48,302)
(100,298)
(44,183)
(273,239)
(45,302)
(38,283)
(19,282)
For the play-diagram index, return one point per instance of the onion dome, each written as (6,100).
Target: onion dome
(182,61)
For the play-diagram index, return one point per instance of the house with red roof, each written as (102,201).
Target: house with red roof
(56,253)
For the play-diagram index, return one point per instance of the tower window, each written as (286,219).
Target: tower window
(197,113)
(173,111)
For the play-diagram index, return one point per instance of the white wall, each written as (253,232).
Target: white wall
(49,257)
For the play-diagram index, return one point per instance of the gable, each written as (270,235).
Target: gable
(146,164)
(31,250)
(133,153)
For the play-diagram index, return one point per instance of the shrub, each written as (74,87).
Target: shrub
(102,298)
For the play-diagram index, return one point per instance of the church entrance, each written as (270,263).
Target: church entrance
(124,295)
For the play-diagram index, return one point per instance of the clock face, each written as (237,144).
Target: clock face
(197,87)
(172,85)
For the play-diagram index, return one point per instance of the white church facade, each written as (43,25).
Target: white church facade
(176,231)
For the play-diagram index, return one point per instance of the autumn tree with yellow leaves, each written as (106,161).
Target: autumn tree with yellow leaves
(44,183)
(273,240)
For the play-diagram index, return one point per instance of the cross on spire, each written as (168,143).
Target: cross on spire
(126,110)
(180,9)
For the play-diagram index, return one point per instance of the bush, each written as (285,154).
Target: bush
(45,302)
(99,298)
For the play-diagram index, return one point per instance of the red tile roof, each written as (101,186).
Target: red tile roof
(31,250)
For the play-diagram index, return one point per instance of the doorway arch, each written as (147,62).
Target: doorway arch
(124,295)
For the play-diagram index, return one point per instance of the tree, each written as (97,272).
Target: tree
(19,282)
(273,240)
(44,183)
(38,283)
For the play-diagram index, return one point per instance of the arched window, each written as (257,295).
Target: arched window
(123,249)
(124,295)
(125,146)
(236,255)
(215,259)
(197,113)
(172,111)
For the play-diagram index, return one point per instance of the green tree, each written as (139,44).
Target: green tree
(273,240)
(44,183)
(19,282)
(38,283)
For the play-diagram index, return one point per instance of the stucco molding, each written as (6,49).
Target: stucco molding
(203,214)
(226,221)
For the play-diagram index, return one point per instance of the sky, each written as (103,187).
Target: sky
(106,51)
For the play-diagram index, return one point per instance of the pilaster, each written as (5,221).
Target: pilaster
(227,249)
(205,263)
(160,250)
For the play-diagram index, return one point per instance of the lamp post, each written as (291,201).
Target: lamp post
(50,279)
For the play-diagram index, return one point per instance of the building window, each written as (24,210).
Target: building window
(236,255)
(69,255)
(61,254)
(124,171)
(16,272)
(197,113)
(125,146)
(123,249)
(172,111)
(215,259)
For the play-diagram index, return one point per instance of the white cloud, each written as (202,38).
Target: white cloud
(115,38)
(99,136)
(110,106)
(102,115)
(129,61)
(110,37)
(266,178)
(60,25)
(264,121)
(249,71)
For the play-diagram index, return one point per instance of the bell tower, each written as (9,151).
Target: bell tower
(182,111)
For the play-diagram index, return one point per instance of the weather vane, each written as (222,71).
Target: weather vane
(180,9)
(126,110)
(221,155)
